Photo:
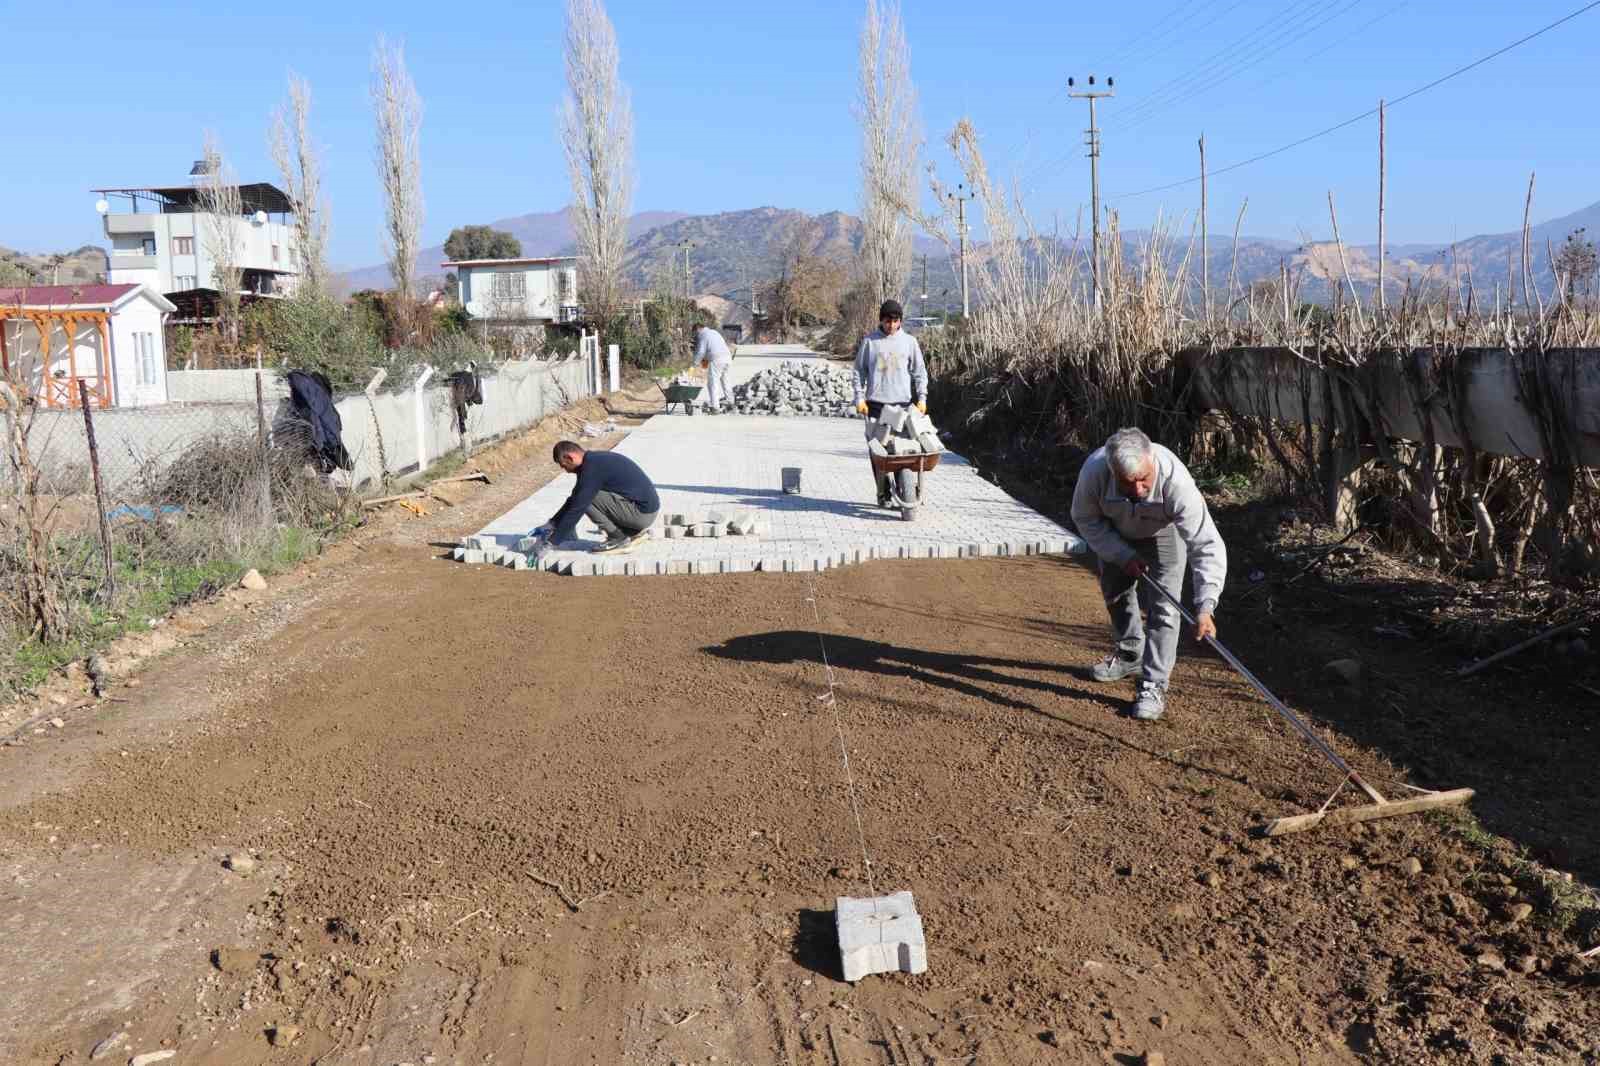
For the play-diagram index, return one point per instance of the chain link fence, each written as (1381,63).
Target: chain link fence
(107,512)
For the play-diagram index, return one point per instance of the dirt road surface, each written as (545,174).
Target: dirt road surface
(523,819)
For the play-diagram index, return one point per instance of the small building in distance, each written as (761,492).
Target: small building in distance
(109,337)
(519,292)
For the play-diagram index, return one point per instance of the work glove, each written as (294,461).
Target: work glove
(861,407)
(922,405)
(542,531)
(1136,567)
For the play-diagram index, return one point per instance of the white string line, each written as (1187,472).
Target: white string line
(832,700)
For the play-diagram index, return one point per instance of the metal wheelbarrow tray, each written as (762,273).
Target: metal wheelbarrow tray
(684,395)
(891,466)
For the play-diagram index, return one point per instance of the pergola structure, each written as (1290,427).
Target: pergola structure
(62,391)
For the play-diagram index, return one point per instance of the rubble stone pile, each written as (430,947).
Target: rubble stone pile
(798,389)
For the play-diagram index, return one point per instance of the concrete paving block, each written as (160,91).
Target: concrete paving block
(678,566)
(674,532)
(703,529)
(517,562)
(716,518)
(473,555)
(458,554)
(882,935)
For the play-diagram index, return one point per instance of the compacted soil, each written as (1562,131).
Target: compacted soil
(493,817)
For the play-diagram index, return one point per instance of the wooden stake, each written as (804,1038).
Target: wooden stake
(109,589)
(1468,671)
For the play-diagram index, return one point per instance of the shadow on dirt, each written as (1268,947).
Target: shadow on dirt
(965,674)
(816,944)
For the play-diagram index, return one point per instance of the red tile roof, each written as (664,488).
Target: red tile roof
(64,295)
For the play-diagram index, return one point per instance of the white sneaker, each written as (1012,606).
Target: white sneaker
(1151,702)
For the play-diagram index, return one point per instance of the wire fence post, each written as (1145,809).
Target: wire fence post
(109,589)
(266,457)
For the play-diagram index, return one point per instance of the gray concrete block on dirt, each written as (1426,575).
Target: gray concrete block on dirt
(881,935)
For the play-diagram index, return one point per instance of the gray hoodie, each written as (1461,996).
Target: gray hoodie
(889,369)
(710,346)
(1108,520)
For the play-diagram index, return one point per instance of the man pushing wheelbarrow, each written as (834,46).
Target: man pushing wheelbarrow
(891,378)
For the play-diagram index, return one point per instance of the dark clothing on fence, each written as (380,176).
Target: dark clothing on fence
(605,472)
(466,387)
(312,398)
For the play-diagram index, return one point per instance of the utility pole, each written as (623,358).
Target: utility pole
(961,199)
(923,303)
(1382,183)
(688,293)
(1092,139)
(1205,237)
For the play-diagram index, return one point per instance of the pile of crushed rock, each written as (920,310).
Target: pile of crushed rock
(798,389)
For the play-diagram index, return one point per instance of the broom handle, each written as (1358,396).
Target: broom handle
(1277,704)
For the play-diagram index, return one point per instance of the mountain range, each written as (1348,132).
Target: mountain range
(728,251)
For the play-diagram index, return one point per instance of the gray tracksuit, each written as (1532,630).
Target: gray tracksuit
(889,369)
(1172,523)
(711,349)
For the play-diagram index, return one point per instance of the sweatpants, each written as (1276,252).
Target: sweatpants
(1156,641)
(617,516)
(717,392)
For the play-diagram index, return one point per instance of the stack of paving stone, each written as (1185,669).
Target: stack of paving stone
(710,524)
(798,389)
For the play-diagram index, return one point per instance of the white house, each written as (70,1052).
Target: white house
(109,337)
(161,237)
(521,292)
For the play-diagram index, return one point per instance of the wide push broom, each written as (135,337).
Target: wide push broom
(1378,808)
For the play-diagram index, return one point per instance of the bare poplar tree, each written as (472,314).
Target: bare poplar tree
(399,116)
(300,166)
(886,107)
(223,207)
(597,135)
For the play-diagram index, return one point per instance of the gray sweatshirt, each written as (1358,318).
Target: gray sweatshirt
(711,346)
(889,369)
(1108,520)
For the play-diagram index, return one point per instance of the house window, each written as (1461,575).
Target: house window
(184,282)
(510,286)
(565,285)
(149,246)
(144,354)
(183,246)
(275,253)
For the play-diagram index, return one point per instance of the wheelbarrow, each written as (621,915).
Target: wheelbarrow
(905,478)
(679,394)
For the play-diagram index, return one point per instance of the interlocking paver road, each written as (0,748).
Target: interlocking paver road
(732,465)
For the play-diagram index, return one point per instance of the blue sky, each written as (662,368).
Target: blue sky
(739,105)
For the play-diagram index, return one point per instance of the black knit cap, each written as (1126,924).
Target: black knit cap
(890,309)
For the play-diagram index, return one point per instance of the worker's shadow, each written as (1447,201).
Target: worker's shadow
(966,674)
(970,675)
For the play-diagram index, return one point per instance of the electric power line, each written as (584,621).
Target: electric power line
(1222,77)
(1204,79)
(1371,111)
(1250,39)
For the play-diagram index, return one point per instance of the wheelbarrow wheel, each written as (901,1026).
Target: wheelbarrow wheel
(905,486)
(688,409)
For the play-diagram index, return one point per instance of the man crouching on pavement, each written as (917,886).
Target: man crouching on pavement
(612,490)
(1138,507)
